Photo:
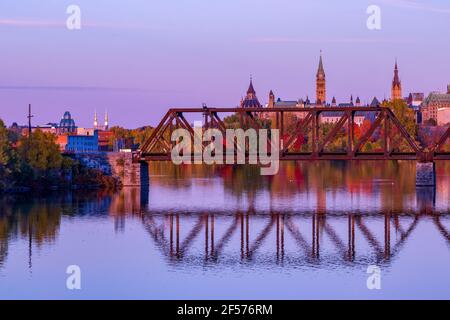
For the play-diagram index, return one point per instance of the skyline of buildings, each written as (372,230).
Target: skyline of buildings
(157,62)
(436,106)
(430,111)
(71,138)
(435,109)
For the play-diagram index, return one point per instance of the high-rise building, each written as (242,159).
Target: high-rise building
(396,92)
(321,92)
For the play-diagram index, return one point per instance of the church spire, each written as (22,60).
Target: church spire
(396,93)
(320,70)
(396,77)
(95,120)
(321,93)
(106,120)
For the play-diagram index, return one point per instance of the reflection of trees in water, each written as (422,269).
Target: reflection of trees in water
(319,176)
(38,219)
(3,242)
(182,176)
(393,182)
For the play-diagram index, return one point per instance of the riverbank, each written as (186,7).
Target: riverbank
(89,179)
(35,163)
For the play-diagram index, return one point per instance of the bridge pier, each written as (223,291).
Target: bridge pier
(129,172)
(426,174)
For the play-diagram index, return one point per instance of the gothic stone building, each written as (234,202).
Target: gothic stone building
(436,107)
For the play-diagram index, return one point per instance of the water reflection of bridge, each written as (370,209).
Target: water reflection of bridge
(285,238)
(320,235)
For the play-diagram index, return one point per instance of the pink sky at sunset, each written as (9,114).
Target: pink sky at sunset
(137,59)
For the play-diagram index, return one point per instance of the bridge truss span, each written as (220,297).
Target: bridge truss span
(304,133)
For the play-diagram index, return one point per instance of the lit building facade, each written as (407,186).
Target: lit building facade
(435,107)
(82,144)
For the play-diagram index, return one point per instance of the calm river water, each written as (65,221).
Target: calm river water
(197,232)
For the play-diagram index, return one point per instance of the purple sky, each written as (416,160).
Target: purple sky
(138,58)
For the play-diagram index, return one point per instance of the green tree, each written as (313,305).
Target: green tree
(40,154)
(141,135)
(406,116)
(7,157)
(5,146)
(232,122)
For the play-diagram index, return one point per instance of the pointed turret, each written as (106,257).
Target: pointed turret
(95,120)
(375,102)
(106,120)
(251,90)
(250,101)
(271,99)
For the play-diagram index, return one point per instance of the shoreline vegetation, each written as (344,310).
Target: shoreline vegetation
(35,163)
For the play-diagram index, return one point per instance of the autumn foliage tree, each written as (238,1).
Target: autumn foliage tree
(7,157)
(39,156)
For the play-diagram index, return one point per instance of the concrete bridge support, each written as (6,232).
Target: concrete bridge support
(131,174)
(119,165)
(426,174)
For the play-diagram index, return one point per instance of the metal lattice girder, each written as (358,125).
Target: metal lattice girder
(442,141)
(308,121)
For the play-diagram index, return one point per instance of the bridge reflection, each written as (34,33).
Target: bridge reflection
(195,235)
(285,237)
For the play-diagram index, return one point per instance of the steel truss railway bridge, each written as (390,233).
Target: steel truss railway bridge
(158,146)
(384,124)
